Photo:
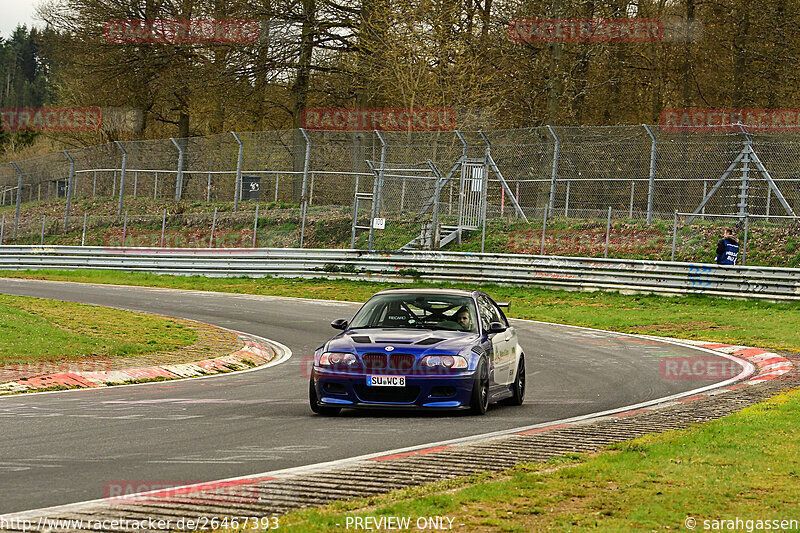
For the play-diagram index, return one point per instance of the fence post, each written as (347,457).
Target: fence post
(554,175)
(630,207)
(179,175)
(122,176)
(608,231)
(70,186)
(304,200)
(213,227)
(744,186)
(2,229)
(238,192)
(255,227)
(769,200)
(485,188)
(652,183)
(674,235)
(94,185)
(744,245)
(124,229)
(83,235)
(208,189)
(705,192)
(135,182)
(377,194)
(44,223)
(19,198)
(163,226)
(544,229)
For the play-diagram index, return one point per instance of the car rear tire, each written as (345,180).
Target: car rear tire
(479,402)
(314,401)
(518,392)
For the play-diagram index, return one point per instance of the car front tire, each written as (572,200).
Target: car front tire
(314,402)
(479,402)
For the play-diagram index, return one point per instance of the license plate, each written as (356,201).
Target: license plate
(386,381)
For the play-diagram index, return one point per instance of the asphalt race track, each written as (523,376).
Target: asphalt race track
(67,447)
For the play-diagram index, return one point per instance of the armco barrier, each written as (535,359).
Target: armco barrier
(574,273)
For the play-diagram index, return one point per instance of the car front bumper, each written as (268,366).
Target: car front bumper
(348,389)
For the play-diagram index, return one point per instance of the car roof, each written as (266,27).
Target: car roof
(428,290)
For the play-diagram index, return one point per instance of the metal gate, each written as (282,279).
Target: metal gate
(470,201)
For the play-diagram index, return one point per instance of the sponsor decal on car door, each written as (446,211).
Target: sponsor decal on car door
(502,357)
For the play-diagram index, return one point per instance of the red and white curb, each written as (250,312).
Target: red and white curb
(769,364)
(252,355)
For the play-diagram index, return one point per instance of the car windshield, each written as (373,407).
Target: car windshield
(427,311)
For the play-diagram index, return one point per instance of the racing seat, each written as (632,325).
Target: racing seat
(397,316)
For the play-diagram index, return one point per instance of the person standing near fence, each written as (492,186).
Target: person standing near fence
(727,249)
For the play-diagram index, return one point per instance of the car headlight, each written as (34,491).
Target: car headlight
(443,361)
(337,358)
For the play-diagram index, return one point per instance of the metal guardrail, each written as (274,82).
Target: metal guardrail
(572,273)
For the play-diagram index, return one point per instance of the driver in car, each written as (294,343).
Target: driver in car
(463,319)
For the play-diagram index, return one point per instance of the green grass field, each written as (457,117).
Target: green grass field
(33,329)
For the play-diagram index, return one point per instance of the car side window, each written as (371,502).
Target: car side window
(501,316)
(486,312)
(490,312)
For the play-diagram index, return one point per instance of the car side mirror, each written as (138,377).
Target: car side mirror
(339,323)
(497,327)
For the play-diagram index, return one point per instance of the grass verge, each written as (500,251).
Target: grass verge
(33,329)
(721,470)
(753,323)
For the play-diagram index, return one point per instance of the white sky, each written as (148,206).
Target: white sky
(14,12)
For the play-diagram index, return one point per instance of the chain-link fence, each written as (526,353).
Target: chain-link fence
(561,179)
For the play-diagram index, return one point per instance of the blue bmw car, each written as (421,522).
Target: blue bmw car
(420,348)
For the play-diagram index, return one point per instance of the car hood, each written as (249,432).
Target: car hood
(416,341)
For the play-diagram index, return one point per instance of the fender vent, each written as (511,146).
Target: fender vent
(478,350)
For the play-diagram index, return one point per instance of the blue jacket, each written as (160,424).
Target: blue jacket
(727,251)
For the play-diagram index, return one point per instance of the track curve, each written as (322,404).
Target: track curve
(61,448)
